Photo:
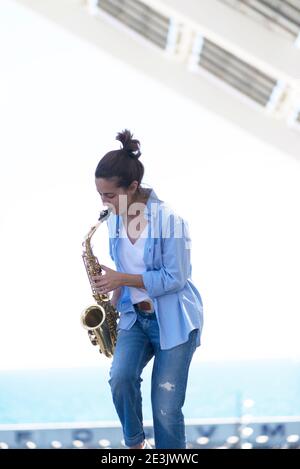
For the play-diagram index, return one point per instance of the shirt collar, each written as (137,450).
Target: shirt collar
(151,204)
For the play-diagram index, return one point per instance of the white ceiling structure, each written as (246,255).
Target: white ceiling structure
(238,58)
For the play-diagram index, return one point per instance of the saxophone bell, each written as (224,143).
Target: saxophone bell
(92,319)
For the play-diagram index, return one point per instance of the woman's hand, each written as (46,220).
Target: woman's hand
(108,282)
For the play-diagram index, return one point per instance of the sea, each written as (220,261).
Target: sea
(215,390)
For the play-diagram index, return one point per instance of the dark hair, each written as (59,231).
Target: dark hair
(124,163)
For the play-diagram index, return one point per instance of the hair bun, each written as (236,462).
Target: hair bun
(130,145)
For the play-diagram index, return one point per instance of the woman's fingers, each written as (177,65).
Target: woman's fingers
(100,284)
(96,278)
(103,289)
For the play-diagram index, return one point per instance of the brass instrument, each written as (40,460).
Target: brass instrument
(100,319)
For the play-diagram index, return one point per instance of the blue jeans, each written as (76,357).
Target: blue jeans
(134,349)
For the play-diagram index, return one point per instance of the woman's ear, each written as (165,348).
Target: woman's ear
(133,186)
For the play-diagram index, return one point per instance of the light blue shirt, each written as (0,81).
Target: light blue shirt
(167,278)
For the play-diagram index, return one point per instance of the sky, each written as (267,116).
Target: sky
(62,103)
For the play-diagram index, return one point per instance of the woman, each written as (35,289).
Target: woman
(160,308)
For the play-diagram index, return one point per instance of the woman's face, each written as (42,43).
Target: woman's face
(118,198)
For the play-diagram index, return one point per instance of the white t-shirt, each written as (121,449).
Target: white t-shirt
(131,260)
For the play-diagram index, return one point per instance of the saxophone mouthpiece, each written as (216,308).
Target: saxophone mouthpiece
(104,214)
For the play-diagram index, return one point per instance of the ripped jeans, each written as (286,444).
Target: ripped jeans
(134,349)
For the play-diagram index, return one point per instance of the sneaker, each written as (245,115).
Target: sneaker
(147,445)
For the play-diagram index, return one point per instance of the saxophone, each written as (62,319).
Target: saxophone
(99,320)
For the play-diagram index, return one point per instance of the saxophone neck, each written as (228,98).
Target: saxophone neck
(104,214)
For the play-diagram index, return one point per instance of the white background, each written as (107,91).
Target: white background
(62,103)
